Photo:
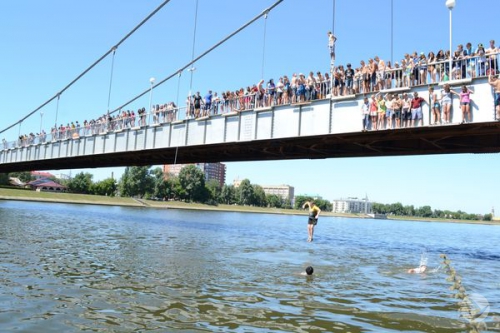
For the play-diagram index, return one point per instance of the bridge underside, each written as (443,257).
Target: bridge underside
(468,138)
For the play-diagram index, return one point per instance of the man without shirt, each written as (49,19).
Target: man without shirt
(495,83)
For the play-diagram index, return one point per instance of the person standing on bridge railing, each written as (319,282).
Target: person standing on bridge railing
(331,45)
(495,83)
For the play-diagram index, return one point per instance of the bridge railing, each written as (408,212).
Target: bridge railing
(475,67)
(430,72)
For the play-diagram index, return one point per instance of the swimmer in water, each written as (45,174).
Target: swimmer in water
(422,267)
(418,270)
(309,271)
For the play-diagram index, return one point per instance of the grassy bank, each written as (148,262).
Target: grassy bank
(28,195)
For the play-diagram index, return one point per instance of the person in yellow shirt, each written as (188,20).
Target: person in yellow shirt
(313,218)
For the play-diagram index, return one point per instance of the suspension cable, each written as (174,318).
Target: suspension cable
(91,66)
(201,55)
(264,46)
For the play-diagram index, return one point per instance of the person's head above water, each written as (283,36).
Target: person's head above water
(309,270)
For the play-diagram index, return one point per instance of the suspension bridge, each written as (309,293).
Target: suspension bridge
(327,127)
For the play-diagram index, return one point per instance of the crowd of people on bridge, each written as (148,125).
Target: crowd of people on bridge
(380,111)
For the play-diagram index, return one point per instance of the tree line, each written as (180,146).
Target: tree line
(426,211)
(189,185)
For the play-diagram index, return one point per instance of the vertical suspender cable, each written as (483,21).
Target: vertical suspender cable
(333,18)
(264,46)
(194,43)
(392,32)
(191,70)
(111,76)
(153,13)
(202,54)
(178,89)
(57,108)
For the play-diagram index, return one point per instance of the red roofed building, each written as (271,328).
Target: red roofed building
(44,184)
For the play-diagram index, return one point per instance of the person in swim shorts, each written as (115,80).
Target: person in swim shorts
(313,218)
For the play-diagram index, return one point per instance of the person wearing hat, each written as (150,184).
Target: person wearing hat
(313,218)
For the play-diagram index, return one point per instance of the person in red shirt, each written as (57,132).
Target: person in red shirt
(416,109)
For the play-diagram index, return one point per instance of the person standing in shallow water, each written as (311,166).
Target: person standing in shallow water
(313,218)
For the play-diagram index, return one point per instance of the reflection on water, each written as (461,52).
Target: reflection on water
(69,268)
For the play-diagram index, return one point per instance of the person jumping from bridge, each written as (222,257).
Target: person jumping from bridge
(313,218)
(331,44)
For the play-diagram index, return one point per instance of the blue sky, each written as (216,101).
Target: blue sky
(46,44)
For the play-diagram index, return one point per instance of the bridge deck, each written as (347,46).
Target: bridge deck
(322,129)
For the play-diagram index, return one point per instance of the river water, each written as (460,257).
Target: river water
(72,268)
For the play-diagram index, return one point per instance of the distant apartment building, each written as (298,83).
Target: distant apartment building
(215,171)
(352,205)
(283,191)
(286,192)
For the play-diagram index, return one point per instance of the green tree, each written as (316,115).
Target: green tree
(107,187)
(424,211)
(4,179)
(409,210)
(136,181)
(300,200)
(487,217)
(396,209)
(214,189)
(192,181)
(287,204)
(245,193)
(259,196)
(24,176)
(274,200)
(160,184)
(81,183)
(227,195)
(324,205)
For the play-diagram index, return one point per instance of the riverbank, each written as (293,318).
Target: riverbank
(28,195)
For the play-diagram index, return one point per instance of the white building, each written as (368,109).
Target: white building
(352,205)
(286,192)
